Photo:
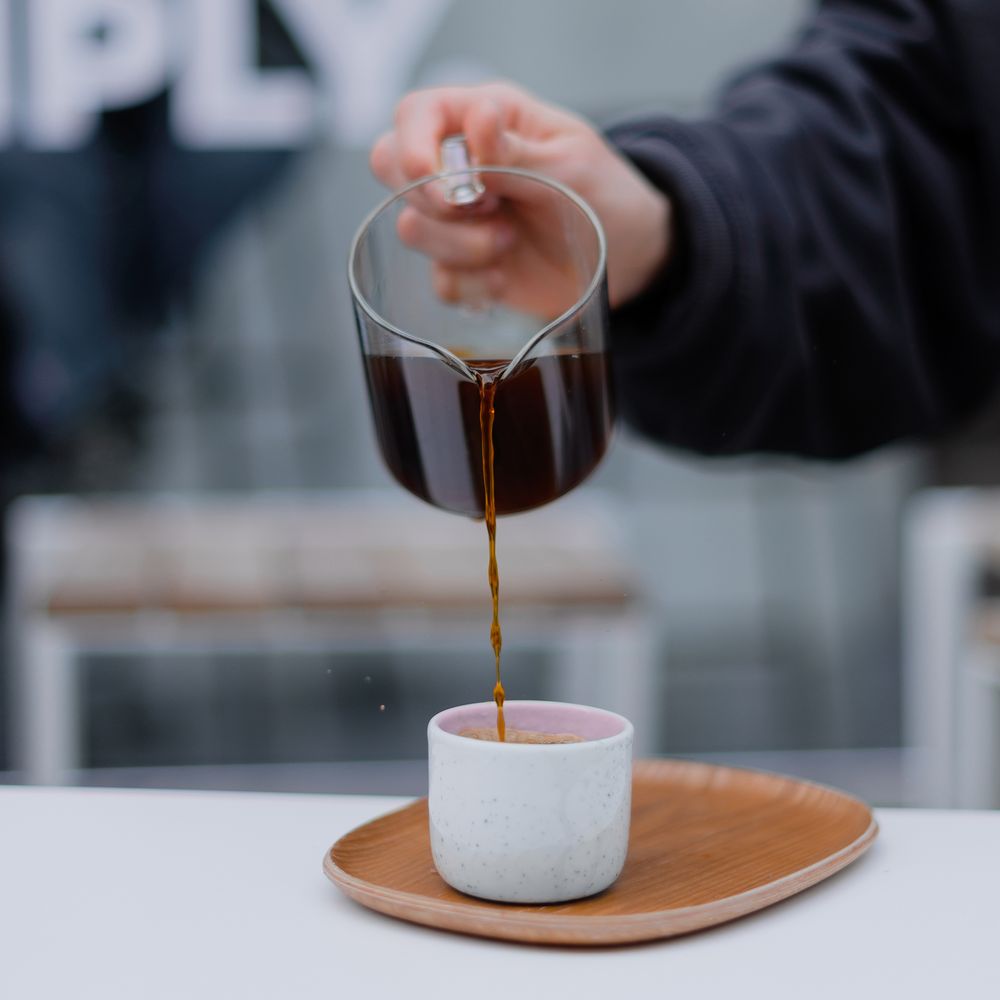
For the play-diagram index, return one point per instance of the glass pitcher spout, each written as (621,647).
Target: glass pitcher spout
(393,285)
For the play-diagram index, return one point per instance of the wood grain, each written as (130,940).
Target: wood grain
(708,844)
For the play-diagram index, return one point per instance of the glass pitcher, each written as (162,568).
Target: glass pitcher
(433,340)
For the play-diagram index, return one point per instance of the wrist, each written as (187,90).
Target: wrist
(643,246)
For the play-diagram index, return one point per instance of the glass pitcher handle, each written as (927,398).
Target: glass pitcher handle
(464,187)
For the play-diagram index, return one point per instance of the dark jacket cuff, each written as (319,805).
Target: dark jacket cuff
(681,160)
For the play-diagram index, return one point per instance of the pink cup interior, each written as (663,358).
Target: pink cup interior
(539,716)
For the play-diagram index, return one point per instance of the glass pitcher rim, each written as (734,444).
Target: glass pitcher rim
(594,284)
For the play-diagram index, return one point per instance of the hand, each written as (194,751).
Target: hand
(498,244)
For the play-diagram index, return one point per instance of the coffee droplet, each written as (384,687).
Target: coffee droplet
(489,734)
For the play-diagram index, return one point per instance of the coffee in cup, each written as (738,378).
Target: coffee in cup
(490,734)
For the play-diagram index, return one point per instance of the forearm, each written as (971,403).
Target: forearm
(825,296)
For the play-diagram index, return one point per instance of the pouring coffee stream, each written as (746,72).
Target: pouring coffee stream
(489,411)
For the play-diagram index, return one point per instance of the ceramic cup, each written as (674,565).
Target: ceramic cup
(530,823)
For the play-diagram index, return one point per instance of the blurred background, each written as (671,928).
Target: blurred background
(211,581)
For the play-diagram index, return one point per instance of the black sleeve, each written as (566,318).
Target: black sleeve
(836,285)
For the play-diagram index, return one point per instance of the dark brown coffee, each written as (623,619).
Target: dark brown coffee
(491,735)
(552,425)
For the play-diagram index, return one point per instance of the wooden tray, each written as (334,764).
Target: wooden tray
(708,844)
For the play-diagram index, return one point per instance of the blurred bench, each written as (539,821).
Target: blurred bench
(951,648)
(308,572)
(979,765)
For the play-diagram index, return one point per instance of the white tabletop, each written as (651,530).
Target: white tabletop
(140,894)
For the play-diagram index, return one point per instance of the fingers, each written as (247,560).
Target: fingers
(493,142)
(504,127)
(413,148)
(423,119)
(483,125)
(463,244)
(386,165)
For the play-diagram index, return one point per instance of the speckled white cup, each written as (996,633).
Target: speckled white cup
(530,823)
